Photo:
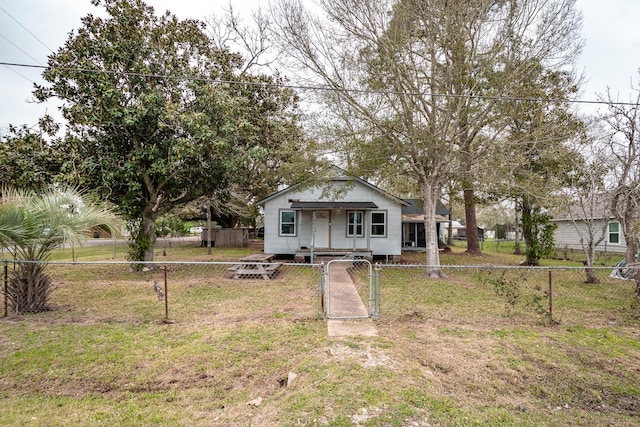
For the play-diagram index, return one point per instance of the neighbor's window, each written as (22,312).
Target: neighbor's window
(354,224)
(378,224)
(287,223)
(614,232)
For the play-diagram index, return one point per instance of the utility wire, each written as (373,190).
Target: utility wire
(20,49)
(26,29)
(324,88)
(19,73)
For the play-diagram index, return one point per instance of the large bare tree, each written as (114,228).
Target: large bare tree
(588,203)
(623,119)
(413,83)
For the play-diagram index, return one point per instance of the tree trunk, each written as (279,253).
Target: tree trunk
(527,232)
(450,229)
(590,253)
(29,288)
(630,252)
(209,231)
(148,233)
(591,276)
(429,201)
(518,249)
(473,244)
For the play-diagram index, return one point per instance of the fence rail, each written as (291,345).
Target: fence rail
(209,292)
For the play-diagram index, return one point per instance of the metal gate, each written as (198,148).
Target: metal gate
(339,296)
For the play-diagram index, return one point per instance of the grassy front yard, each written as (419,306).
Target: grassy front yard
(447,353)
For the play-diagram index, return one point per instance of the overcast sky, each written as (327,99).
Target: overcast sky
(32,29)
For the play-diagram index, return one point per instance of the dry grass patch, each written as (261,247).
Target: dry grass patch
(447,353)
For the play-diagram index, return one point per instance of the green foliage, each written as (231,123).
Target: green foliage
(538,159)
(27,160)
(508,289)
(159,116)
(511,289)
(171,225)
(32,225)
(538,234)
(139,242)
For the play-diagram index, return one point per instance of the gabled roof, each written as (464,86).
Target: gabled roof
(336,174)
(596,206)
(415,207)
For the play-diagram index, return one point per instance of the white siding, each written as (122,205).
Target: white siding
(348,192)
(566,237)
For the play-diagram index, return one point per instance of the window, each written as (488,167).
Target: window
(614,233)
(354,224)
(287,223)
(379,224)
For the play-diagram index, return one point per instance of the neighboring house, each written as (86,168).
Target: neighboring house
(413,223)
(567,236)
(455,226)
(343,216)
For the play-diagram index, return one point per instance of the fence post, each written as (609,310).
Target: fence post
(6,289)
(166,296)
(550,297)
(321,294)
(376,311)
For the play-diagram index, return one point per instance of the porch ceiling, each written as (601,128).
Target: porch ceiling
(333,205)
(414,218)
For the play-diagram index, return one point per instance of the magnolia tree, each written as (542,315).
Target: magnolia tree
(160,115)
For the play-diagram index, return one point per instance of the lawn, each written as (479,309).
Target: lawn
(448,352)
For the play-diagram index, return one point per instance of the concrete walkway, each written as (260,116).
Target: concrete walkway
(344,301)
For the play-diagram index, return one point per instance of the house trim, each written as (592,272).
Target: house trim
(617,233)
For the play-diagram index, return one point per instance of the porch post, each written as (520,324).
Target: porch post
(367,230)
(298,226)
(355,230)
(313,235)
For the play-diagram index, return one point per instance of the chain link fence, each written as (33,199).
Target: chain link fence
(224,292)
(517,295)
(169,292)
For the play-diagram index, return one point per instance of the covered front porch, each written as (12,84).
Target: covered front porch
(311,255)
(335,229)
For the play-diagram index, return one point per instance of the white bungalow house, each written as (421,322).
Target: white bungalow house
(342,216)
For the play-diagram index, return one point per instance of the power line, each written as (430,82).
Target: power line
(325,88)
(19,73)
(20,49)
(26,29)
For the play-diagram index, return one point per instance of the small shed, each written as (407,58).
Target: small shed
(462,233)
(226,237)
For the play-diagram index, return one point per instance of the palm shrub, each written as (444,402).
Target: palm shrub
(32,225)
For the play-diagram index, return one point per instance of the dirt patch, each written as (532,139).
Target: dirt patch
(367,358)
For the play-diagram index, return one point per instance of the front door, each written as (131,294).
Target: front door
(321,229)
